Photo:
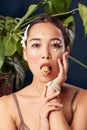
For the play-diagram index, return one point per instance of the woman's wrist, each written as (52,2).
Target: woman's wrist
(53,87)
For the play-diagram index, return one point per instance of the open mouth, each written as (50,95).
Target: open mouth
(46,69)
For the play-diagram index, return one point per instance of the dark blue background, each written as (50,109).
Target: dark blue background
(77,75)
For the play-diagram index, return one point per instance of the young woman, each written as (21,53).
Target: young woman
(48,103)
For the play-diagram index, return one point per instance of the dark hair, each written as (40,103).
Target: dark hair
(54,21)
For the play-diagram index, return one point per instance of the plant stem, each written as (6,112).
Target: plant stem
(68,12)
(77,61)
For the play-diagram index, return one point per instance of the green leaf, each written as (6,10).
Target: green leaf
(20,74)
(70,28)
(2,56)
(10,45)
(31,9)
(17,70)
(68,21)
(57,6)
(49,8)
(83,14)
(19,48)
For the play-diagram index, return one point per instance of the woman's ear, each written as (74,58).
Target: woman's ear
(25,53)
(67,49)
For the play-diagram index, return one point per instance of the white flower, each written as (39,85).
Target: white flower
(24,38)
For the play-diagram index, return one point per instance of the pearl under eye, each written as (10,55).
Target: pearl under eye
(56,44)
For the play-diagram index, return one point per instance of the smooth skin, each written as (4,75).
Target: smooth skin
(42,107)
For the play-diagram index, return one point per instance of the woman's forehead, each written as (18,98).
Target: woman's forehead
(44,28)
(44,24)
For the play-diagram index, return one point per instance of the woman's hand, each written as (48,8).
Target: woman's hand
(46,106)
(63,67)
(62,75)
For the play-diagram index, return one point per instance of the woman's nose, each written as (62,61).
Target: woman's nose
(45,57)
(46,54)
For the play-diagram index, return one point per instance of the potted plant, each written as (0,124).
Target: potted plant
(11,30)
(10,55)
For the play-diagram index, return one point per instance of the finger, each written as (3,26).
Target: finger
(45,112)
(55,104)
(61,67)
(44,91)
(50,106)
(54,95)
(65,61)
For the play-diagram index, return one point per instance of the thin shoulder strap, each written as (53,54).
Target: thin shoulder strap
(73,99)
(18,107)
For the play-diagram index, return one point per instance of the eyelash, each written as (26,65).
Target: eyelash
(56,45)
(35,45)
(53,45)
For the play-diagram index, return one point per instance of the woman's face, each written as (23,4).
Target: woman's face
(45,44)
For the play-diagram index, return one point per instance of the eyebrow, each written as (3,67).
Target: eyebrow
(35,39)
(50,40)
(55,39)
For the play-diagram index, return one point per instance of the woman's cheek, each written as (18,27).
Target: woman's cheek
(60,55)
(32,58)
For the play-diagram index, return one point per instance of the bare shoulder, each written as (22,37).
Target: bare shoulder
(80,110)
(82,98)
(70,90)
(79,107)
(81,94)
(4,102)
(6,113)
(6,105)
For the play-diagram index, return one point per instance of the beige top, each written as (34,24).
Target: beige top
(22,126)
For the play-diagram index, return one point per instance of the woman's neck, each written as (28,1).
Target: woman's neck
(38,85)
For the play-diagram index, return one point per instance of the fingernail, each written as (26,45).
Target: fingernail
(58,92)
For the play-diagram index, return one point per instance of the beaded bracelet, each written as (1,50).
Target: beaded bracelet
(54,85)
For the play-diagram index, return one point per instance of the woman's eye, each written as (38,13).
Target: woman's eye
(56,45)
(35,45)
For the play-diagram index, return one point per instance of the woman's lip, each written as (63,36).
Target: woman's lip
(45,64)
